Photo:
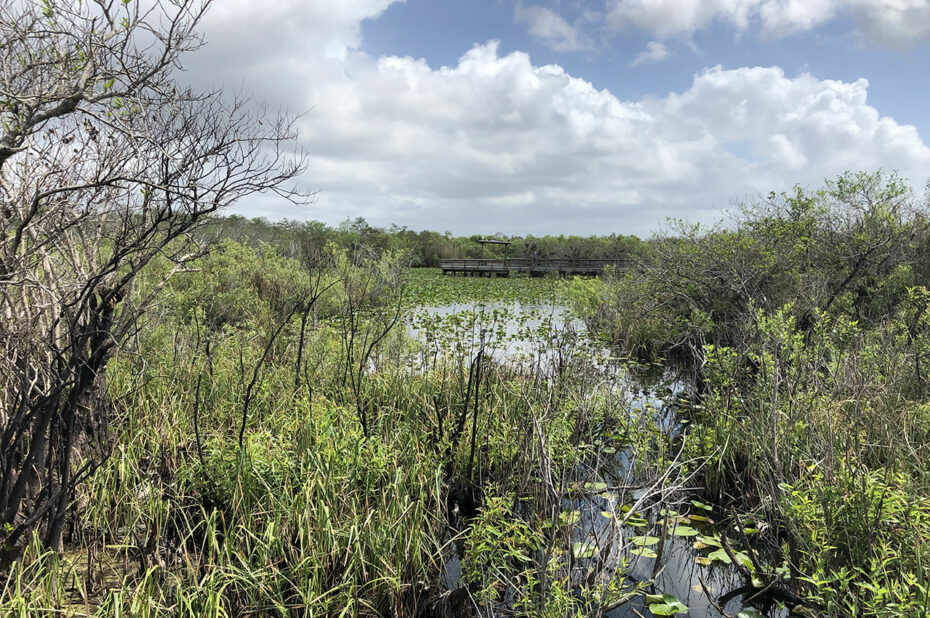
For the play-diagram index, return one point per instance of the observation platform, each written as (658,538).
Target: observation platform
(535,268)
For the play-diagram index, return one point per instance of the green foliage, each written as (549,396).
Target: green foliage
(310,515)
(424,248)
(805,322)
(851,248)
(497,550)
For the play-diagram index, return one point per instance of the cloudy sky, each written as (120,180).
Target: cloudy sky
(570,116)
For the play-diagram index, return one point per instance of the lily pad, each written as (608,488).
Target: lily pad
(645,552)
(711,541)
(644,541)
(684,531)
(665,605)
(701,505)
(720,555)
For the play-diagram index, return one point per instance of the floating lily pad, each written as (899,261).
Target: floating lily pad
(665,605)
(720,555)
(701,505)
(703,560)
(644,541)
(645,552)
(711,541)
(684,531)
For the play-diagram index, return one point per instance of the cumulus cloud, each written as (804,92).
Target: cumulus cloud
(655,51)
(890,22)
(496,143)
(275,48)
(895,23)
(668,18)
(550,28)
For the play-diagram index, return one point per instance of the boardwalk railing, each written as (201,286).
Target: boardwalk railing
(534,267)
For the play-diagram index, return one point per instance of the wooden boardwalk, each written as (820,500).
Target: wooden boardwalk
(535,268)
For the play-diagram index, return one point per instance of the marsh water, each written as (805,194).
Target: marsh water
(545,337)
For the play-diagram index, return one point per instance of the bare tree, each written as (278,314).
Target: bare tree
(106,163)
(372,305)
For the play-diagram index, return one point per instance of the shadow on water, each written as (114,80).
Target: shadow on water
(541,336)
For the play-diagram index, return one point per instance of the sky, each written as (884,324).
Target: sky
(570,116)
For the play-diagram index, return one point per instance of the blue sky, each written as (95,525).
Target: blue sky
(440,30)
(563,116)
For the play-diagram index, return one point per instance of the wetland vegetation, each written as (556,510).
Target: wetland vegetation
(219,417)
(332,432)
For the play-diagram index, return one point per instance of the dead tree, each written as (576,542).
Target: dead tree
(106,163)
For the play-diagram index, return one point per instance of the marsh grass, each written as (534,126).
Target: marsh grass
(315,513)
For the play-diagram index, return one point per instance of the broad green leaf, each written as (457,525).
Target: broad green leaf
(665,605)
(709,540)
(701,505)
(720,556)
(684,531)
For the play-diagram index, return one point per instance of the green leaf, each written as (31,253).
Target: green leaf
(684,531)
(701,505)
(584,550)
(645,552)
(666,605)
(644,541)
(712,541)
(720,555)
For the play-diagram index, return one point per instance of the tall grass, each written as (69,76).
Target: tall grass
(311,516)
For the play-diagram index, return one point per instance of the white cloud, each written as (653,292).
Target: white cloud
(495,143)
(655,51)
(668,18)
(890,22)
(896,23)
(274,48)
(550,28)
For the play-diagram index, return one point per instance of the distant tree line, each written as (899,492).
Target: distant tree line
(423,248)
